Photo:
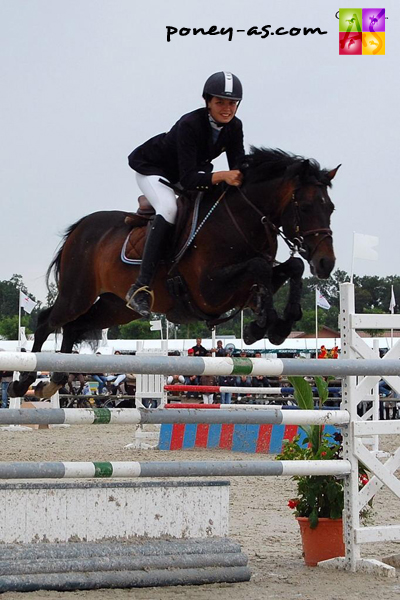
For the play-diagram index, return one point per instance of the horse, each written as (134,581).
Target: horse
(229,261)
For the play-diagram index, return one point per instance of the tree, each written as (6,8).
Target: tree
(9,327)
(52,293)
(138,330)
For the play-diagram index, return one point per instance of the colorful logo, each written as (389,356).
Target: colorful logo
(361,31)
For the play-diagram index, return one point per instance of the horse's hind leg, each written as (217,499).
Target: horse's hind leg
(109,310)
(19,388)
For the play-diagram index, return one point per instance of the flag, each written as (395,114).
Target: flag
(155,325)
(104,338)
(22,336)
(321,300)
(364,246)
(392,302)
(26,303)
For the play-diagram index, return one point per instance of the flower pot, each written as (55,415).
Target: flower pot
(323,542)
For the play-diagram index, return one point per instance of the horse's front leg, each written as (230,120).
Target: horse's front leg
(222,284)
(293,270)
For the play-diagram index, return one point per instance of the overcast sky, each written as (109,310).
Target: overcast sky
(84,82)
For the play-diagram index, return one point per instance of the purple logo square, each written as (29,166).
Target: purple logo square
(373,19)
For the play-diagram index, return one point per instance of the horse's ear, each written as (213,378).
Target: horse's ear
(331,174)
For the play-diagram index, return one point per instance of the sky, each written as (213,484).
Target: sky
(85,82)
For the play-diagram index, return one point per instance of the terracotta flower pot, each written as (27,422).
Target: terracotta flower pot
(323,542)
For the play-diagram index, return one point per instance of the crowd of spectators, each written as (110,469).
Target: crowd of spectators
(223,380)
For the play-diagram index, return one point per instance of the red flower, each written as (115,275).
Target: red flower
(363,479)
(323,453)
(293,503)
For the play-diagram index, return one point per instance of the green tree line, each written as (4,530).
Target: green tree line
(372,295)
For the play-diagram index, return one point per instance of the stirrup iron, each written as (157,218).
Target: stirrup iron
(144,288)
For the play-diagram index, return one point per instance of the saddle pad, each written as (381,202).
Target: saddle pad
(132,248)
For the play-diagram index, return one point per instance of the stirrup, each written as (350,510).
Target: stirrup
(144,288)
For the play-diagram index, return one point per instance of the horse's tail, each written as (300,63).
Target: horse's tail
(56,262)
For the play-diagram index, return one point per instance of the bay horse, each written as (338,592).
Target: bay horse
(229,264)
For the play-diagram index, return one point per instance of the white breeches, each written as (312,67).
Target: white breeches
(160,196)
(208,398)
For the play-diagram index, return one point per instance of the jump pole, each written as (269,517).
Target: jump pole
(169,365)
(134,416)
(245,468)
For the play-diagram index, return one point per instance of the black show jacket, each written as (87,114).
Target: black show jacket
(184,154)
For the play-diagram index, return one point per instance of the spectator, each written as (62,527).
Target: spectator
(117,379)
(260,381)
(219,350)
(175,380)
(130,384)
(191,379)
(76,376)
(198,349)
(208,380)
(323,352)
(101,380)
(226,380)
(6,378)
(243,381)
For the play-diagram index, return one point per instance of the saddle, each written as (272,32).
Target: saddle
(139,221)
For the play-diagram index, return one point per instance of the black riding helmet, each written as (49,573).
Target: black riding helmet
(223,85)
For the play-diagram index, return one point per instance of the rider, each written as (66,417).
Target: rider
(183,155)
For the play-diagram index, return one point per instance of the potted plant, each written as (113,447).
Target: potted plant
(318,505)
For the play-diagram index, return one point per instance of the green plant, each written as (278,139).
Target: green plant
(317,496)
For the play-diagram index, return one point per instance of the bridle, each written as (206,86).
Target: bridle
(322,233)
(295,245)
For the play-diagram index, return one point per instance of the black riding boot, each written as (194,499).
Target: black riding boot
(140,296)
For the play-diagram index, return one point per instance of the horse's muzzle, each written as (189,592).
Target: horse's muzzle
(322,266)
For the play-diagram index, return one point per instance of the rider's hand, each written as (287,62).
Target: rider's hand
(234,177)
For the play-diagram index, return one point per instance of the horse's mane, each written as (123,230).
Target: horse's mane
(267,164)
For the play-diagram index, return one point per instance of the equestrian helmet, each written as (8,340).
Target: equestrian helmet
(223,85)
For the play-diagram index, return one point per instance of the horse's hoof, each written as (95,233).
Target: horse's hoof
(293,312)
(13,390)
(17,389)
(59,378)
(279,331)
(252,333)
